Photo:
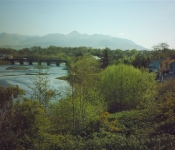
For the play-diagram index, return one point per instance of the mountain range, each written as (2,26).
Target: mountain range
(73,39)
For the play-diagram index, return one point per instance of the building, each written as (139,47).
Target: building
(164,69)
(155,66)
(171,69)
(165,65)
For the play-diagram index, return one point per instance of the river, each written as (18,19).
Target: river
(22,77)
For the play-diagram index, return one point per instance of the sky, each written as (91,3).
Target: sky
(145,22)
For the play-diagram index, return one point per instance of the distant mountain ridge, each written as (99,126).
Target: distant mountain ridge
(73,39)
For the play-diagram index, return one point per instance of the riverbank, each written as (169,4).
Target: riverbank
(2,62)
(63,78)
(17,68)
(4,83)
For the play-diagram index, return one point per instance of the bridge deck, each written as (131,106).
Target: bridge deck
(30,61)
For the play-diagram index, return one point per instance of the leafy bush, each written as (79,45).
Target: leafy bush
(125,87)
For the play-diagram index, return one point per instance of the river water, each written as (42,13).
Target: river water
(23,79)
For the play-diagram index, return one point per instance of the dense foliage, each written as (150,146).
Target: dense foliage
(113,103)
(125,87)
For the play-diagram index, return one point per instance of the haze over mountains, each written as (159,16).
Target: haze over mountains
(73,39)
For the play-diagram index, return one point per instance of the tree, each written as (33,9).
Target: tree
(41,89)
(166,108)
(83,102)
(30,124)
(125,87)
(160,46)
(24,126)
(105,58)
(141,61)
(83,80)
(23,122)
(7,96)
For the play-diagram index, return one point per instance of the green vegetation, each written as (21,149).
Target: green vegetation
(41,90)
(17,68)
(63,78)
(2,62)
(129,87)
(112,104)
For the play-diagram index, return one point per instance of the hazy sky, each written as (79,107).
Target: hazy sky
(146,22)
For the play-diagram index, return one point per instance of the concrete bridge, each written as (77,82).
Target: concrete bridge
(30,61)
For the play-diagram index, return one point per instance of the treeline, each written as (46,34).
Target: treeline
(110,105)
(132,57)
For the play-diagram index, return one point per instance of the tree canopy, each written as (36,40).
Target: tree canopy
(125,87)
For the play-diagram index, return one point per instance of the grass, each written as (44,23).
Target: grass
(63,78)
(17,68)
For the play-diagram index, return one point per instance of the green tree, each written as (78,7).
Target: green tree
(160,46)
(83,102)
(21,122)
(105,58)
(7,96)
(84,81)
(62,119)
(41,89)
(125,87)
(30,124)
(24,126)
(141,61)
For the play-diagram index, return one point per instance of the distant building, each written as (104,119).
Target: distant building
(163,68)
(96,57)
(155,65)
(171,69)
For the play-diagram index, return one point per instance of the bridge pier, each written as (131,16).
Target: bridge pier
(48,63)
(30,63)
(12,62)
(57,63)
(21,62)
(39,62)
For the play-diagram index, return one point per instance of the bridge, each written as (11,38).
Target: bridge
(31,61)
